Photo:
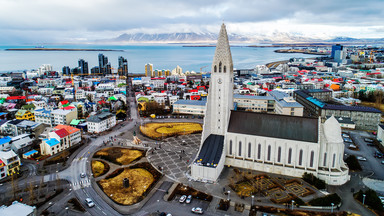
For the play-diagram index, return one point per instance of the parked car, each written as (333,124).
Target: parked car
(368,140)
(82,175)
(197,210)
(189,199)
(361,158)
(182,198)
(89,202)
(382,162)
(345,135)
(347,140)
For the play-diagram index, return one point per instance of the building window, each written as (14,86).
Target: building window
(225,69)
(325,159)
(240,148)
(269,153)
(290,155)
(301,157)
(311,159)
(259,151)
(279,154)
(215,69)
(333,160)
(220,65)
(230,147)
(249,150)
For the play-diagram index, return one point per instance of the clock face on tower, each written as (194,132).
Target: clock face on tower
(219,81)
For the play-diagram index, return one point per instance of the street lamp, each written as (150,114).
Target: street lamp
(364,198)
(229,192)
(252,200)
(292,203)
(332,207)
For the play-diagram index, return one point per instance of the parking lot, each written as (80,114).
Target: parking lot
(194,203)
(367,151)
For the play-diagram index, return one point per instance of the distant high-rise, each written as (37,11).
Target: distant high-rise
(83,65)
(148,70)
(335,48)
(103,61)
(66,71)
(95,71)
(123,66)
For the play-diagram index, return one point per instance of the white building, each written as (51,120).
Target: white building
(254,103)
(64,115)
(101,122)
(191,107)
(380,134)
(281,144)
(18,209)
(285,104)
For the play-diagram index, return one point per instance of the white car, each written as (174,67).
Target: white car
(189,199)
(182,198)
(89,202)
(361,158)
(82,175)
(345,135)
(197,210)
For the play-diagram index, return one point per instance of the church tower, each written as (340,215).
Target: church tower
(211,156)
(220,93)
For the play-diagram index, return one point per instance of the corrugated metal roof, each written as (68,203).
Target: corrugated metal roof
(273,125)
(192,102)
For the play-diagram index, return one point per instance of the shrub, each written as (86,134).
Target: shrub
(371,199)
(313,180)
(326,201)
(353,163)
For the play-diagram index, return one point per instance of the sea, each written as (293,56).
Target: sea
(166,56)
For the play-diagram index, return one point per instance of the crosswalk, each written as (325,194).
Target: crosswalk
(81,184)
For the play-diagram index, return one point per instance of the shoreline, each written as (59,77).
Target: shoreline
(61,49)
(299,51)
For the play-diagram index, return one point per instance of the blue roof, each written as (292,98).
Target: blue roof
(30,152)
(52,142)
(192,102)
(5,140)
(137,78)
(316,102)
(3,113)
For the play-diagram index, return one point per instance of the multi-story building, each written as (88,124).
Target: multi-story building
(25,115)
(43,116)
(21,144)
(123,66)
(50,146)
(148,70)
(74,133)
(252,103)
(285,104)
(192,107)
(64,115)
(3,170)
(4,143)
(83,65)
(18,209)
(11,161)
(101,122)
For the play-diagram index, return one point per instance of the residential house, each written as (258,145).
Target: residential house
(101,122)
(22,143)
(25,115)
(4,143)
(11,161)
(43,116)
(74,133)
(3,170)
(17,209)
(64,115)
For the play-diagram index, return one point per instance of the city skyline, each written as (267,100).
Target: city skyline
(85,21)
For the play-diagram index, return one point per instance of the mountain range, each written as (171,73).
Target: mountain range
(211,38)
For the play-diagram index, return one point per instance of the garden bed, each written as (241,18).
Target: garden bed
(120,156)
(99,168)
(185,190)
(159,131)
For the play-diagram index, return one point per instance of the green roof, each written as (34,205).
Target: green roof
(74,122)
(28,106)
(112,98)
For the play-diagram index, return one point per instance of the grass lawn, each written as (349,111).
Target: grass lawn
(164,130)
(99,168)
(370,104)
(122,156)
(139,181)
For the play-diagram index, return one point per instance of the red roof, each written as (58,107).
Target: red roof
(62,133)
(68,108)
(101,102)
(16,98)
(64,102)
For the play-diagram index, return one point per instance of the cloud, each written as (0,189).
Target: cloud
(72,20)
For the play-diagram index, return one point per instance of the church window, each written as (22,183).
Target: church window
(220,65)
(311,159)
(333,160)
(290,155)
(249,150)
(325,159)
(301,157)
(215,69)
(225,69)
(279,154)
(269,153)
(240,148)
(259,151)
(230,147)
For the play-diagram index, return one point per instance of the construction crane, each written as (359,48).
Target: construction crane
(203,67)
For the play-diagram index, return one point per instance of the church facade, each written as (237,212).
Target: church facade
(281,144)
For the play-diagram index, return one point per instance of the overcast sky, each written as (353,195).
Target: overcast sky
(47,21)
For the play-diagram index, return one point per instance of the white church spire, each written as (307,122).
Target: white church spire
(223,52)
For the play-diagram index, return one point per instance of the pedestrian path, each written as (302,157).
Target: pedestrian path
(81,184)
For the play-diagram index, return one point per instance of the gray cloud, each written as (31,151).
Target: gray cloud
(57,20)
